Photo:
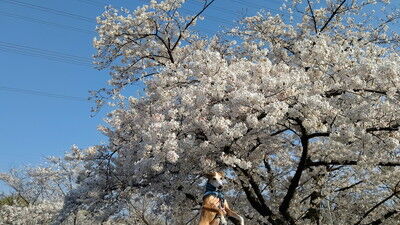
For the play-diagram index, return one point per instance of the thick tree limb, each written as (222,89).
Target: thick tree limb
(389,128)
(294,183)
(278,132)
(313,17)
(256,190)
(252,198)
(318,134)
(350,186)
(374,207)
(253,193)
(206,5)
(347,163)
(371,91)
(333,93)
(332,15)
(386,216)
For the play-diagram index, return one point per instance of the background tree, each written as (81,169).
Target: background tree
(301,110)
(37,192)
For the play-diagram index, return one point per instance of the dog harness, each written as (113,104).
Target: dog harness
(211,190)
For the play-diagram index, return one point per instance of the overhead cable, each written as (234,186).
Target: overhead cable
(42,93)
(34,20)
(43,53)
(49,10)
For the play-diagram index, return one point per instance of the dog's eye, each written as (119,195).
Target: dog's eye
(214,178)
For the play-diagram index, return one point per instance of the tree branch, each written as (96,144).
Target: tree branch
(371,91)
(318,134)
(394,127)
(333,15)
(350,186)
(374,207)
(386,216)
(294,183)
(256,190)
(333,93)
(347,163)
(313,17)
(206,5)
(279,131)
(254,198)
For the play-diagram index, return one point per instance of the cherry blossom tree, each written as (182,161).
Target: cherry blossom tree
(37,192)
(301,110)
(38,195)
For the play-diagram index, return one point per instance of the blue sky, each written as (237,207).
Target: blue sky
(45,50)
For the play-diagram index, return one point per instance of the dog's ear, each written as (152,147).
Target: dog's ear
(221,173)
(209,175)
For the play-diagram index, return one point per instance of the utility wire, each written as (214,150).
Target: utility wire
(93,3)
(208,31)
(7,50)
(62,26)
(228,22)
(222,20)
(49,10)
(64,55)
(61,57)
(42,93)
(43,53)
(253,5)
(231,12)
(34,20)
(220,9)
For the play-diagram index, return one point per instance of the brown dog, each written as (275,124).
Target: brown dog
(215,207)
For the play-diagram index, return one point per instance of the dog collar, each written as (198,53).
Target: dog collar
(211,190)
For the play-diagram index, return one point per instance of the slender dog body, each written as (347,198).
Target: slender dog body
(215,207)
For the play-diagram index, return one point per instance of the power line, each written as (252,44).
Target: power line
(42,93)
(43,53)
(64,55)
(223,10)
(57,56)
(213,17)
(49,10)
(75,16)
(253,5)
(92,2)
(222,20)
(34,20)
(240,2)
(40,56)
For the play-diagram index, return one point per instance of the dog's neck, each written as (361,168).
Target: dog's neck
(210,187)
(212,190)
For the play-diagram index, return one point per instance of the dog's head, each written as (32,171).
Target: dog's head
(216,179)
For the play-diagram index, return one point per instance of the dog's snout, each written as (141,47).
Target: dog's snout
(220,187)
